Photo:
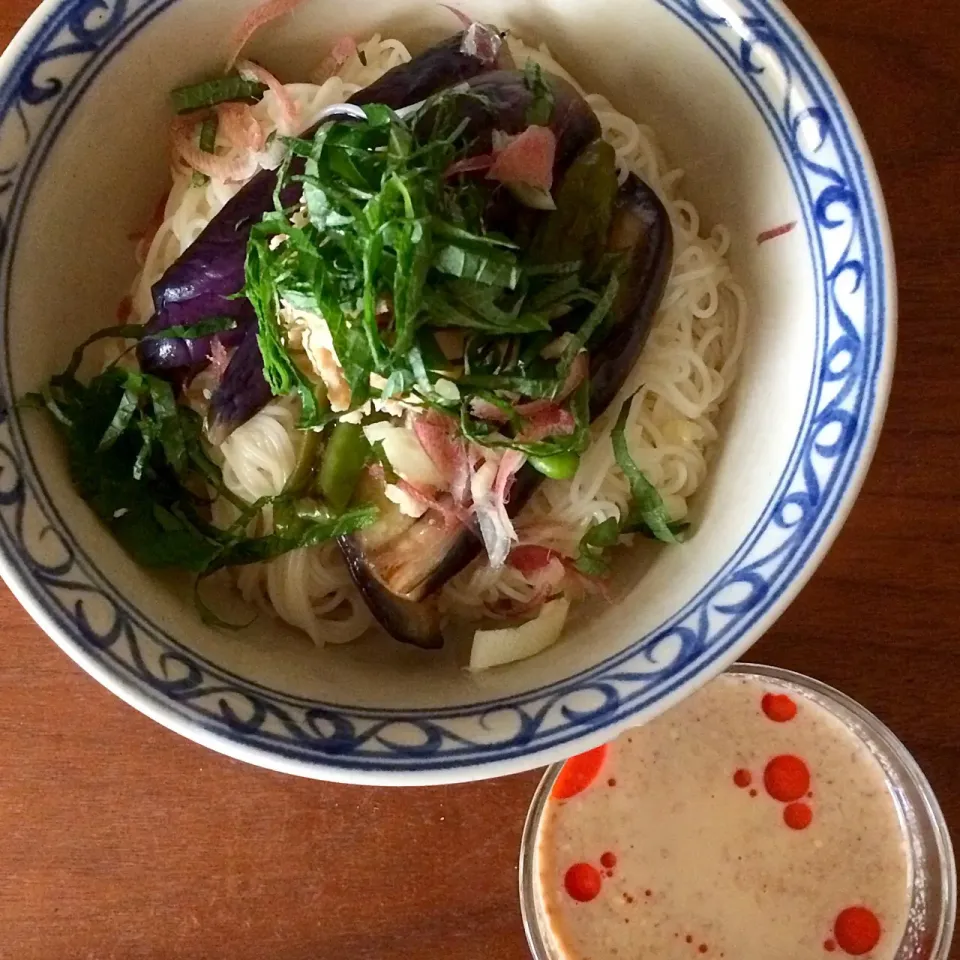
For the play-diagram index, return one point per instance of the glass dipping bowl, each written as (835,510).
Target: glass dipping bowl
(931,877)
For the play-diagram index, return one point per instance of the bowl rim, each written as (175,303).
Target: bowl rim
(417,767)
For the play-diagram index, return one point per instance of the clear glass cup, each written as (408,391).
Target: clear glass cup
(932,872)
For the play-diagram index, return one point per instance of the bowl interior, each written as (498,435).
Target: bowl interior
(95,173)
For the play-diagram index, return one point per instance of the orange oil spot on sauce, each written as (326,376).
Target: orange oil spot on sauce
(829,945)
(582,881)
(742,778)
(608,859)
(578,773)
(857,930)
(786,778)
(778,707)
(797,816)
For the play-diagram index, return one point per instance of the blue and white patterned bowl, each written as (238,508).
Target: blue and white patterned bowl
(739,97)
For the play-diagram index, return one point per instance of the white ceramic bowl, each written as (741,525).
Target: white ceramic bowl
(739,97)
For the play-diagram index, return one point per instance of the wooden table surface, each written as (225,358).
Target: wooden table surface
(120,839)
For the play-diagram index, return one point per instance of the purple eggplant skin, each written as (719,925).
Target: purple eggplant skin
(204,281)
(639,229)
(394,562)
(200,284)
(249,390)
(509,98)
(416,622)
(182,359)
(501,102)
(437,68)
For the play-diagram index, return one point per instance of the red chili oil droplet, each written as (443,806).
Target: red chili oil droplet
(753,793)
(778,707)
(582,881)
(829,945)
(578,773)
(797,816)
(742,778)
(608,859)
(786,778)
(857,930)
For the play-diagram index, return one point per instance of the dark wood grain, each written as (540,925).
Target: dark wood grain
(120,839)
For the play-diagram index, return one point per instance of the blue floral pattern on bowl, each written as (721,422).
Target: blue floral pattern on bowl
(117,643)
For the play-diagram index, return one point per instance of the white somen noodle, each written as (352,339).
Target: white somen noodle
(686,371)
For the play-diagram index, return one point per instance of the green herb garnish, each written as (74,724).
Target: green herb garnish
(296,525)
(646,512)
(540,111)
(138,458)
(208,135)
(591,558)
(134,331)
(196,96)
(384,246)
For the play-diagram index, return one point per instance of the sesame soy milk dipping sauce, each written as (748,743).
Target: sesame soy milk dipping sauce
(765,816)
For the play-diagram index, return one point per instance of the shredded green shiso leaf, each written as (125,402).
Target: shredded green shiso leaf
(388,247)
(209,93)
(646,513)
(138,458)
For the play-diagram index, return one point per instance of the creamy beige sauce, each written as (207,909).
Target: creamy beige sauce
(706,864)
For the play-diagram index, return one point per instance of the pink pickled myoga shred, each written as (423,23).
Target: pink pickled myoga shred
(227,168)
(527,159)
(438,437)
(257,18)
(549,421)
(240,126)
(341,52)
(289,110)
